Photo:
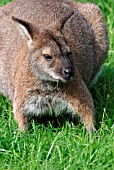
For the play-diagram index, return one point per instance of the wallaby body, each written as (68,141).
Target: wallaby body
(50,51)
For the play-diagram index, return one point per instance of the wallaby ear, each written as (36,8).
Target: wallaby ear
(60,23)
(26,29)
(63,20)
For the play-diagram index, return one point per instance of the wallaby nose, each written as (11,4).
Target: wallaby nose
(67,73)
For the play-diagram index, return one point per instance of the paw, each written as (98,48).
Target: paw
(90,128)
(23,127)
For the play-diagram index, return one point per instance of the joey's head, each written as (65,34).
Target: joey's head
(49,56)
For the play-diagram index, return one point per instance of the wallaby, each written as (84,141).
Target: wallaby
(50,52)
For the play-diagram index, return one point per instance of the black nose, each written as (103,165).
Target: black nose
(67,73)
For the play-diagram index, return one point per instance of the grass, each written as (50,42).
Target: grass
(65,147)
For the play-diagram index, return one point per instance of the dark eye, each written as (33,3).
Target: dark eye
(47,57)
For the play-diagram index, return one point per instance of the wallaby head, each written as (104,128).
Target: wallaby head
(48,54)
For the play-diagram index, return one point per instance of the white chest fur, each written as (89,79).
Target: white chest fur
(43,105)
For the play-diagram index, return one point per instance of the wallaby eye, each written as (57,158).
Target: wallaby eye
(47,57)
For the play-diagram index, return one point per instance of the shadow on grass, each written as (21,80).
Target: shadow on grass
(56,122)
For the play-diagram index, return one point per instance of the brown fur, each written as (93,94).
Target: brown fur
(50,51)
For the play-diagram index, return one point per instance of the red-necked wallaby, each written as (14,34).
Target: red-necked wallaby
(50,52)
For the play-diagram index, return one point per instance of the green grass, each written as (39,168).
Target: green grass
(65,147)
